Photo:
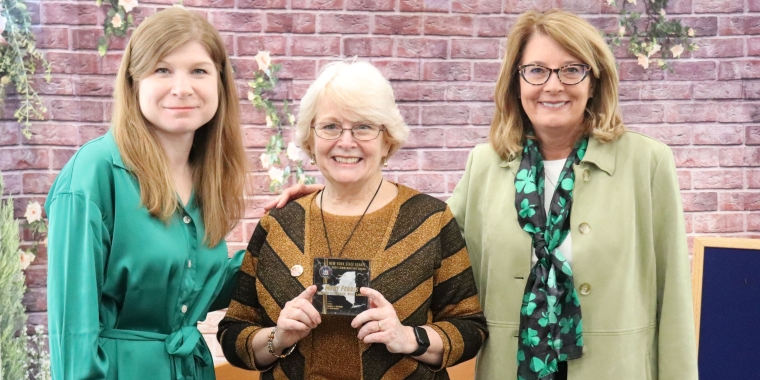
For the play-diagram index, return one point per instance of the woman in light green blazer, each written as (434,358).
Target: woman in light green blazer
(574,225)
(138,216)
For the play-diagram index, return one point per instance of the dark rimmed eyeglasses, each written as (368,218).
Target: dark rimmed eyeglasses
(360,131)
(569,74)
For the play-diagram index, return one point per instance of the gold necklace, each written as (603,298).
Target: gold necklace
(324,226)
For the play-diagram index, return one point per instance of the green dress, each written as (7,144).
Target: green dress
(125,290)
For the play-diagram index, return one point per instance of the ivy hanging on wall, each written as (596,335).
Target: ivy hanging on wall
(19,59)
(264,81)
(117,22)
(652,36)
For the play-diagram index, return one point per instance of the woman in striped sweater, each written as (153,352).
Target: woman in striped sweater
(424,312)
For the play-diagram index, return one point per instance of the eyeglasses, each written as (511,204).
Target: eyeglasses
(569,74)
(360,131)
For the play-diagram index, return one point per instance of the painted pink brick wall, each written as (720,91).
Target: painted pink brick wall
(442,57)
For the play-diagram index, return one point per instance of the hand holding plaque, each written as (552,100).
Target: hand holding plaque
(338,281)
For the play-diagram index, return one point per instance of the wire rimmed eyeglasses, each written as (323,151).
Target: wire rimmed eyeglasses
(569,74)
(360,131)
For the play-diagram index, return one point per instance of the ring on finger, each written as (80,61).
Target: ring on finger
(379,326)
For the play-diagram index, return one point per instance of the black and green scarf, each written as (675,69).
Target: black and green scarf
(550,317)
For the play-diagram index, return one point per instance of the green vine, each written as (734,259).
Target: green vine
(653,38)
(22,356)
(264,80)
(38,230)
(118,20)
(19,58)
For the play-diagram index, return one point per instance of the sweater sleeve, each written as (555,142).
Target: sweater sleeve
(245,316)
(676,334)
(457,316)
(78,241)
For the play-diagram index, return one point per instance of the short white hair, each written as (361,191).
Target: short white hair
(358,89)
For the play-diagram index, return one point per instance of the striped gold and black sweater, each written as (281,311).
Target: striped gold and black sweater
(419,263)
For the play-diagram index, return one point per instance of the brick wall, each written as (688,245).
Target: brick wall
(443,58)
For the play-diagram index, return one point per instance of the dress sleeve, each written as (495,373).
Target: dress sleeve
(231,270)
(457,316)
(78,241)
(676,334)
(245,316)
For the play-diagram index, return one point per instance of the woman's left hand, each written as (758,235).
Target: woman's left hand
(380,324)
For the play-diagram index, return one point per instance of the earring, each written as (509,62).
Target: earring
(385,162)
(312,161)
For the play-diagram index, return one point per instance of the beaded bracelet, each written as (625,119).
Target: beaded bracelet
(270,346)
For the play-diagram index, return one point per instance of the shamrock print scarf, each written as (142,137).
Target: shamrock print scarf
(550,317)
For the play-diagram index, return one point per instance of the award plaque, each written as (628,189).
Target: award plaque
(338,282)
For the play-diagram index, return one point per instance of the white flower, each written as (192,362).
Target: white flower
(250,96)
(632,1)
(677,50)
(690,32)
(116,21)
(291,119)
(662,12)
(269,122)
(610,2)
(621,31)
(26,259)
(128,5)
(265,160)
(275,174)
(263,60)
(653,49)
(294,154)
(33,212)
(643,61)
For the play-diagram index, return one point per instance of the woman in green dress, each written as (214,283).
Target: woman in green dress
(138,216)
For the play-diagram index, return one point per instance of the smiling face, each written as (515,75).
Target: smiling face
(552,105)
(181,93)
(347,161)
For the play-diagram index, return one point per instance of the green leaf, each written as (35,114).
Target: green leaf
(536,365)
(526,209)
(102,48)
(567,184)
(530,337)
(530,228)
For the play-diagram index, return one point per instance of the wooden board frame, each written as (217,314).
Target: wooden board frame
(697,267)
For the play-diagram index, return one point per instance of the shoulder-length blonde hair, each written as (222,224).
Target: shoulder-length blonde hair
(602,118)
(360,90)
(217,155)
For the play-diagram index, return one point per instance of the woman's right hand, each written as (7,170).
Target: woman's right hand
(291,193)
(296,320)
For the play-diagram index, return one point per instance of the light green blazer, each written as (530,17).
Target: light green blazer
(630,261)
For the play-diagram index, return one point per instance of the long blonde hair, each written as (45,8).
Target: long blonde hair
(217,156)
(602,118)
